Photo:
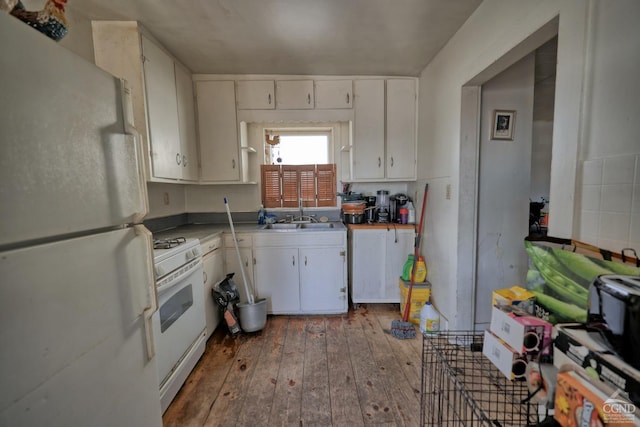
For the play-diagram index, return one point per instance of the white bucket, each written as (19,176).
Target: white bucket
(253,317)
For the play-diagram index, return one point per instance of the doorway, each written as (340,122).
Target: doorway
(499,178)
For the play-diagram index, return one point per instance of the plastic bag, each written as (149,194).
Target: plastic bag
(225,293)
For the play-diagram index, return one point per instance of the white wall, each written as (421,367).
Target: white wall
(499,33)
(165,199)
(504,182)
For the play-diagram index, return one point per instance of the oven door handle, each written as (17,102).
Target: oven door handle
(188,269)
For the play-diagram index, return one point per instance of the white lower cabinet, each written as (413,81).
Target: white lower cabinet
(232,265)
(302,273)
(377,257)
(213,272)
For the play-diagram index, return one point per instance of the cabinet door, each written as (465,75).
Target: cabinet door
(218,131)
(213,271)
(334,94)
(162,110)
(277,279)
(400,243)
(294,94)
(322,285)
(232,266)
(256,95)
(401,129)
(186,123)
(368,144)
(367,254)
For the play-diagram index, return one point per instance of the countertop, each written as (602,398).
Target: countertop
(205,232)
(379,225)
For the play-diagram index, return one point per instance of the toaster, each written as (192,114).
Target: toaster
(614,305)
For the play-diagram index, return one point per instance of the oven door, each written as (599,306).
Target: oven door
(180,317)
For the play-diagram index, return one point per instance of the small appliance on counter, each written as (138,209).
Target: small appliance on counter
(382,204)
(370,209)
(614,305)
(397,202)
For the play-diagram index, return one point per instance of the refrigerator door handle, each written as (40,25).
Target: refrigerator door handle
(151,292)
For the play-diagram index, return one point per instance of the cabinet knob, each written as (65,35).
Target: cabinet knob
(233,163)
(309,98)
(178,158)
(392,161)
(348,99)
(379,164)
(269,99)
(293,261)
(184,161)
(204,276)
(305,261)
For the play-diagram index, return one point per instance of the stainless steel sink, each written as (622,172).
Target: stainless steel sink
(317,225)
(280,226)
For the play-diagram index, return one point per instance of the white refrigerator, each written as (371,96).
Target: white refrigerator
(76,267)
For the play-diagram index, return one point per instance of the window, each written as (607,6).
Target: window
(298,166)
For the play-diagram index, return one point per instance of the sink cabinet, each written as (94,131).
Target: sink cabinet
(302,273)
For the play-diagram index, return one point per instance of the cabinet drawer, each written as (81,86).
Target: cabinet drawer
(245,240)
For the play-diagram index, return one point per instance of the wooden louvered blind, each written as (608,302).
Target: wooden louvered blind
(284,185)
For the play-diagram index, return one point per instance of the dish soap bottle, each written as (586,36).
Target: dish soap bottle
(421,270)
(262,214)
(406,270)
(429,320)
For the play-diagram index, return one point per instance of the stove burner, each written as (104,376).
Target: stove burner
(168,243)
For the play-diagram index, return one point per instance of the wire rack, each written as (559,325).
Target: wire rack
(460,387)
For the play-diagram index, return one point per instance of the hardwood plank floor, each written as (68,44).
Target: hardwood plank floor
(306,371)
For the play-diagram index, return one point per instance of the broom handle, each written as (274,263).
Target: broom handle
(416,246)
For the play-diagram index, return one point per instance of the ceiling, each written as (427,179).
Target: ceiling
(324,37)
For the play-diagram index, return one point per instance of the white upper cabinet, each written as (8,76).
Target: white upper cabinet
(162,109)
(332,94)
(187,123)
(294,94)
(218,131)
(384,146)
(368,130)
(256,95)
(401,129)
(161,93)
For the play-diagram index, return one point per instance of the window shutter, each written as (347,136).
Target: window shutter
(289,186)
(326,180)
(271,194)
(283,185)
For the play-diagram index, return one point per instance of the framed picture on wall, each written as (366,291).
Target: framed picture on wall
(503,124)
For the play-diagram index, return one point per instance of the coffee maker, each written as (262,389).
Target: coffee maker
(397,201)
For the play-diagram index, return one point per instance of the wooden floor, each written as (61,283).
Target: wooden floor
(306,371)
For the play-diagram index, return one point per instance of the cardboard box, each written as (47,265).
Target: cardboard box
(580,401)
(525,333)
(508,361)
(575,345)
(514,296)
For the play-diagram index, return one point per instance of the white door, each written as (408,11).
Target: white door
(368,252)
(401,128)
(277,276)
(187,123)
(218,131)
(256,95)
(213,271)
(73,333)
(322,287)
(333,94)
(162,109)
(400,243)
(294,94)
(368,144)
(232,266)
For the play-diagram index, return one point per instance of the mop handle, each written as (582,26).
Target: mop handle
(235,242)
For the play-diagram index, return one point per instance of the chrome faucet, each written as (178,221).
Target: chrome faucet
(300,207)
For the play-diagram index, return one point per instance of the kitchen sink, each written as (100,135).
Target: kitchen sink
(280,226)
(317,225)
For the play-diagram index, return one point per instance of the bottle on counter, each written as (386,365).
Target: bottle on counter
(411,217)
(262,214)
(429,320)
